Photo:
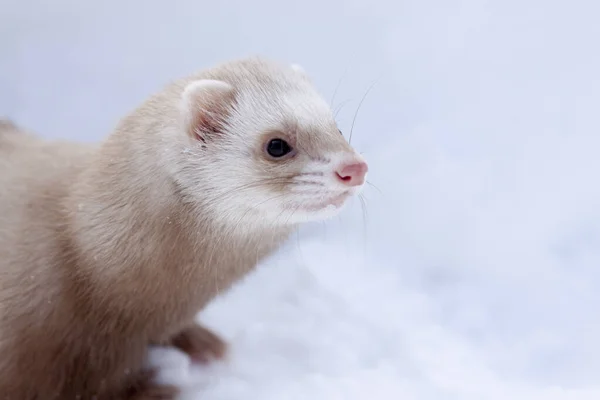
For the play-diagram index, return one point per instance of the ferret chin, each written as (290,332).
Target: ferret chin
(106,249)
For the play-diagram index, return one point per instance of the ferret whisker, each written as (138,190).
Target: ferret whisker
(252,185)
(298,244)
(255,208)
(358,108)
(293,213)
(339,108)
(337,87)
(316,173)
(275,221)
(365,213)
(375,187)
(313,195)
(299,182)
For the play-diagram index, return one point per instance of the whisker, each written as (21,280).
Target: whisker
(298,243)
(358,108)
(252,185)
(276,219)
(314,183)
(259,204)
(363,205)
(337,87)
(317,194)
(375,187)
(310,174)
(292,213)
(339,108)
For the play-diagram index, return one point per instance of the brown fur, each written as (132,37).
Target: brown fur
(100,256)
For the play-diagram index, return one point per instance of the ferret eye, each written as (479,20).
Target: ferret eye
(278,148)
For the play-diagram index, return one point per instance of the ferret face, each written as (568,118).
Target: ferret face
(264,147)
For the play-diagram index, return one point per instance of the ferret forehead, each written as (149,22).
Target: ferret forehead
(308,109)
(272,94)
(293,111)
(285,99)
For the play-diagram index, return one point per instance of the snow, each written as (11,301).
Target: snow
(474,272)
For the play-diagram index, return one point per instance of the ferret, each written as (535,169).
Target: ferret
(109,248)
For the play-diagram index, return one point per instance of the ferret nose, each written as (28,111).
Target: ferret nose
(352,174)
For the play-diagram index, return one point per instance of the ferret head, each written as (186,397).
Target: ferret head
(262,146)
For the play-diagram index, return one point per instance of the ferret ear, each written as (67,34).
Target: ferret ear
(206,104)
(298,68)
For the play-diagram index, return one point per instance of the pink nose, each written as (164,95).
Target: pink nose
(352,174)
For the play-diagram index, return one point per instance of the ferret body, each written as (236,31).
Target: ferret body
(106,249)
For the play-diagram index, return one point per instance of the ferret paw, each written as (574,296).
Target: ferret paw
(200,344)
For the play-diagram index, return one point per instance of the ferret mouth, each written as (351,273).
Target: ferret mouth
(335,201)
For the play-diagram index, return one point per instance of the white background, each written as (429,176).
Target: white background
(474,273)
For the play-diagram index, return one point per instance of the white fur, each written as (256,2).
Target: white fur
(198,96)
(331,188)
(298,68)
(225,177)
(207,88)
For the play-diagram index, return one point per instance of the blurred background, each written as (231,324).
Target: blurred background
(473,272)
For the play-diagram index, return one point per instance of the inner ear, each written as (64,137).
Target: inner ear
(206,105)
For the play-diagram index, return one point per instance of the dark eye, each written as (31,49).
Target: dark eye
(278,148)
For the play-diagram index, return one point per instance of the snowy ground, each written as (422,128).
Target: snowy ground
(475,273)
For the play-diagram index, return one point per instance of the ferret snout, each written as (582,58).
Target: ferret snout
(352,173)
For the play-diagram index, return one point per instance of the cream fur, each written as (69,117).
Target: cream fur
(105,249)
